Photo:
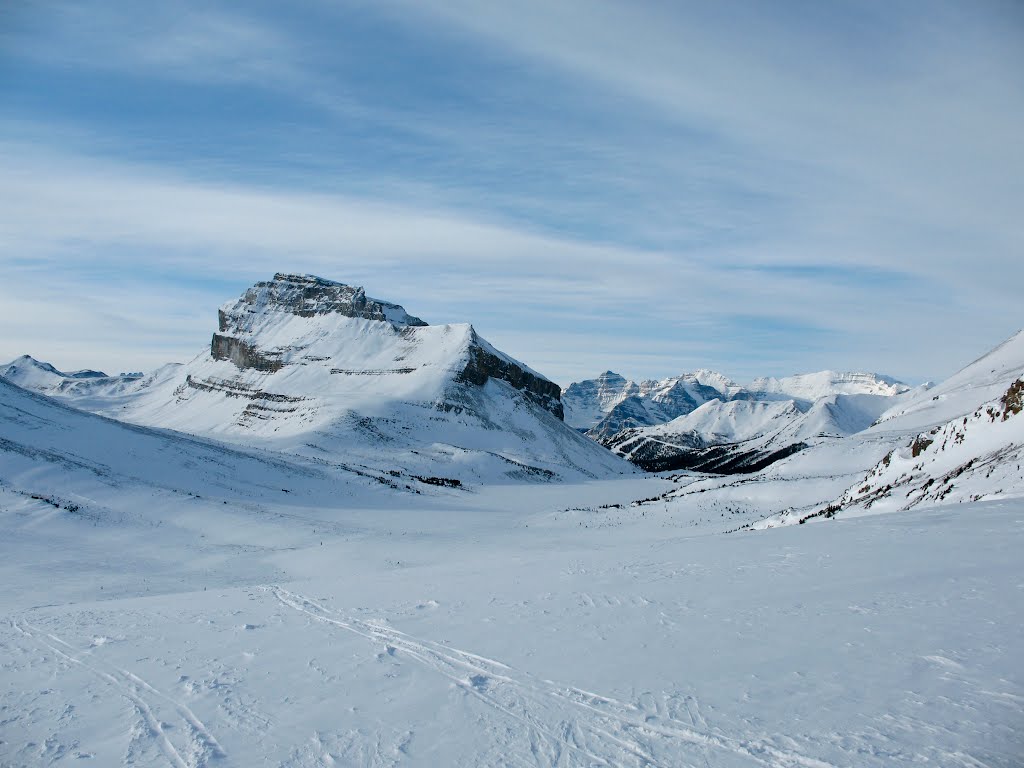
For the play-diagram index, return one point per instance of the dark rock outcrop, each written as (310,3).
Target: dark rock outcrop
(689,451)
(484,364)
(243,355)
(628,414)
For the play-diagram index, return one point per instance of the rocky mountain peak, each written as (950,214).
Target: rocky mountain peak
(308,296)
(300,322)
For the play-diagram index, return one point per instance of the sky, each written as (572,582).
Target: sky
(647,187)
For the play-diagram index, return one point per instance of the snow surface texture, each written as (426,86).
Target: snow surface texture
(172,601)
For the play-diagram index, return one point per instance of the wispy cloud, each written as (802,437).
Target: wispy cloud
(103,225)
(752,188)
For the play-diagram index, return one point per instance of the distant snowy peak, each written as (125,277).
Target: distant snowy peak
(37,376)
(707,422)
(611,401)
(813,386)
(741,436)
(27,369)
(713,379)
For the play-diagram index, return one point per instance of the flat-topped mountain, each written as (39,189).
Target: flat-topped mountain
(277,323)
(312,366)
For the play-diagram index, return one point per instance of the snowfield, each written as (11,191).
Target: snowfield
(175,602)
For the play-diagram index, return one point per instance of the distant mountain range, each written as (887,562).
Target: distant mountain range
(705,421)
(960,441)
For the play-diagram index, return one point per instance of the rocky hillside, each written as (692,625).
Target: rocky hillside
(970,458)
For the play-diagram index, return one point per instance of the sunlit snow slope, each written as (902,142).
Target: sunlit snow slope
(310,366)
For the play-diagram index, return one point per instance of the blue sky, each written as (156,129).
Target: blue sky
(650,187)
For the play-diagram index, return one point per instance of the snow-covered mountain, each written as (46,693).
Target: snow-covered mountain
(705,421)
(591,404)
(970,445)
(958,441)
(171,600)
(611,402)
(745,435)
(29,373)
(178,600)
(310,366)
(810,387)
(981,381)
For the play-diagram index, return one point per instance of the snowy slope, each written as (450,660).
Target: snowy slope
(29,373)
(970,458)
(169,601)
(45,444)
(313,367)
(986,379)
(934,447)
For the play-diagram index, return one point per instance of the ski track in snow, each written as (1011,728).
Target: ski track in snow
(560,721)
(156,709)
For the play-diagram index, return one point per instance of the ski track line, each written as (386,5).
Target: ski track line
(131,686)
(442,663)
(614,723)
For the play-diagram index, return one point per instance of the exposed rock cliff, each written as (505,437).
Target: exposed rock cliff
(485,362)
(308,296)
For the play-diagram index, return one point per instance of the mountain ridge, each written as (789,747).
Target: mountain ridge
(316,367)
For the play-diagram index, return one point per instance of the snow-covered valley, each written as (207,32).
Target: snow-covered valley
(506,631)
(418,563)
